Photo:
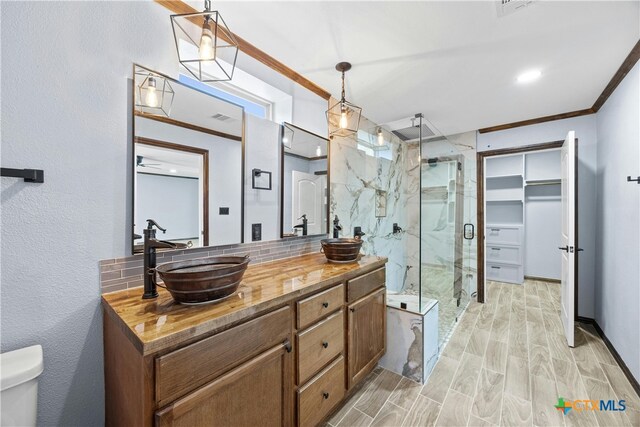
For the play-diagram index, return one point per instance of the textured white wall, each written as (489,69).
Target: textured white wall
(585,127)
(262,144)
(65,97)
(618,227)
(65,109)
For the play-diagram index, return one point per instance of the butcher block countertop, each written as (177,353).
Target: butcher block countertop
(160,324)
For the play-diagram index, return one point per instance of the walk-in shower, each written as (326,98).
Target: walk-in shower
(440,266)
(411,191)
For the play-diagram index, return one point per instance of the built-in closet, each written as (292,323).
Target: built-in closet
(523,213)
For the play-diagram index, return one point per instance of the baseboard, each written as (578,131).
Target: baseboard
(614,353)
(544,279)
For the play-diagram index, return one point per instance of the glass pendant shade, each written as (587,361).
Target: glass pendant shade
(206,47)
(154,94)
(343,117)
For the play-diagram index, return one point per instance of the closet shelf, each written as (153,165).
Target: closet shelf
(552,181)
(499,200)
(504,176)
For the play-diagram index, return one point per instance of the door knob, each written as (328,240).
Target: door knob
(565,248)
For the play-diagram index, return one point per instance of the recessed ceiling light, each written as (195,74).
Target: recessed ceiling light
(173,171)
(529,76)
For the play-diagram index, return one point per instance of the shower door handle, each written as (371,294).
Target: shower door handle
(469,231)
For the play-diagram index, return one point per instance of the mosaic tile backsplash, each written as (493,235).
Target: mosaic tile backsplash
(125,273)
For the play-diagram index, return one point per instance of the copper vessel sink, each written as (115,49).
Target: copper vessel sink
(341,250)
(203,280)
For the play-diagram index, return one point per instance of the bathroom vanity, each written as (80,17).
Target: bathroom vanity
(286,349)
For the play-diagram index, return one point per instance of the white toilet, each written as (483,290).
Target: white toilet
(19,372)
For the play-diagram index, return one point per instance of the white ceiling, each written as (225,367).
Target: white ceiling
(161,161)
(456,62)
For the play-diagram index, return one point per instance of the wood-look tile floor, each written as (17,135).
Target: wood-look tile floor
(506,364)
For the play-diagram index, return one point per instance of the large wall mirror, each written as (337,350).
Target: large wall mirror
(304,182)
(188,156)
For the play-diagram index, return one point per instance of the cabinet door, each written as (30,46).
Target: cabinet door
(258,392)
(367,335)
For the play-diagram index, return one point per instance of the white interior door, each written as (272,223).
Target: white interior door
(307,200)
(568,236)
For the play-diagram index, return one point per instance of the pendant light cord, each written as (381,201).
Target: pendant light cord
(343,100)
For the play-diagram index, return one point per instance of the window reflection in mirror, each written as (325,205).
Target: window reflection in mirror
(305,192)
(188,159)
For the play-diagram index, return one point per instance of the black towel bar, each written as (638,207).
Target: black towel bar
(29,175)
(631,180)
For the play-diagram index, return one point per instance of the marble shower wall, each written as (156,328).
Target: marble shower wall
(357,173)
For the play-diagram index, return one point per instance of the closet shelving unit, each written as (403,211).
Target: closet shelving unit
(505,218)
(514,185)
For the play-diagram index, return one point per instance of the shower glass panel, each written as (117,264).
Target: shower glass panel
(443,248)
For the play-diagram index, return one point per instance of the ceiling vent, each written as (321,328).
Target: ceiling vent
(408,129)
(221,117)
(507,7)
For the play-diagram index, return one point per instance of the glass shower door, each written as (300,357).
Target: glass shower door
(443,248)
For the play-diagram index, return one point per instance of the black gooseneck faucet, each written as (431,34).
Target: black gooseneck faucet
(303,225)
(150,246)
(337,228)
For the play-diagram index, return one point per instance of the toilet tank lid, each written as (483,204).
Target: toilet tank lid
(20,366)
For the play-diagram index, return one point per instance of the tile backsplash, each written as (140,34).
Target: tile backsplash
(124,273)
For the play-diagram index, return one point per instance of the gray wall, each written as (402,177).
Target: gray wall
(585,127)
(181,216)
(618,227)
(65,93)
(66,88)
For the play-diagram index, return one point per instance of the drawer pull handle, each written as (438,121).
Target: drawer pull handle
(287,345)
(325,395)
(493,266)
(495,229)
(325,304)
(495,249)
(325,344)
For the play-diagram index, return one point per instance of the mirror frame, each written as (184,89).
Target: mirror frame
(132,151)
(283,126)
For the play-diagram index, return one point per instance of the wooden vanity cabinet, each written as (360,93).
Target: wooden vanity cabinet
(366,331)
(255,393)
(290,364)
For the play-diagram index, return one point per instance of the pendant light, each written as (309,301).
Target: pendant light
(343,117)
(380,136)
(206,47)
(154,94)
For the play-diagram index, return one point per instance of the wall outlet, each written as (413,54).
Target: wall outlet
(256,232)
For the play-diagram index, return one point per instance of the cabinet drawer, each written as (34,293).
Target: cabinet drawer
(194,365)
(321,394)
(504,273)
(319,344)
(361,286)
(508,254)
(503,235)
(317,306)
